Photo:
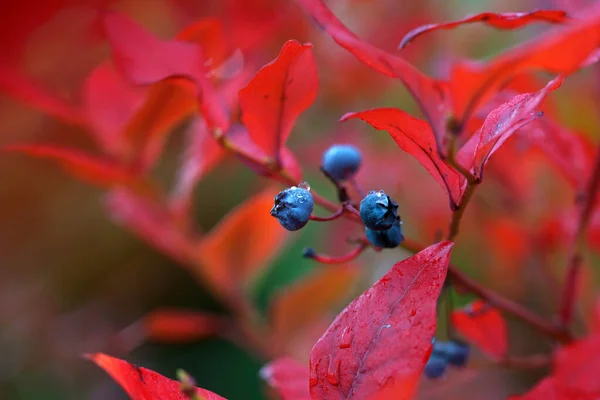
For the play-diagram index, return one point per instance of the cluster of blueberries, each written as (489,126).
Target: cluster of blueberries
(379,213)
(453,352)
(383,228)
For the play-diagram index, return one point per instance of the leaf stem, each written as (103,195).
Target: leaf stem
(586,202)
(324,259)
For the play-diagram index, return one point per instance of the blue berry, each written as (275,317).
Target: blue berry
(378,211)
(293,208)
(457,353)
(341,161)
(435,367)
(389,238)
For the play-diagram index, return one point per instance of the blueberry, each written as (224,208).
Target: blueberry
(293,208)
(457,353)
(378,211)
(440,348)
(389,238)
(341,161)
(435,367)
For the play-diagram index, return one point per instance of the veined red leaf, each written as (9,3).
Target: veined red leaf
(297,306)
(279,92)
(178,326)
(483,326)
(415,137)
(144,58)
(144,384)
(383,338)
(257,236)
(152,222)
(499,125)
(561,50)
(202,153)
(508,20)
(109,103)
(84,166)
(431,95)
(288,378)
(24,89)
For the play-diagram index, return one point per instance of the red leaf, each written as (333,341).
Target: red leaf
(499,125)
(288,377)
(84,166)
(279,92)
(110,102)
(181,326)
(144,58)
(509,20)
(209,34)
(483,326)
(31,93)
(415,137)
(383,338)
(561,50)
(144,384)
(431,95)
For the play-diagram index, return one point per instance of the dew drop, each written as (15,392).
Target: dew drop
(304,185)
(346,339)
(313,379)
(371,192)
(388,326)
(333,372)
(413,312)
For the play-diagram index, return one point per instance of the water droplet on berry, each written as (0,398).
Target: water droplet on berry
(304,185)
(371,192)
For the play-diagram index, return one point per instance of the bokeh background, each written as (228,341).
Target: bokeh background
(71,280)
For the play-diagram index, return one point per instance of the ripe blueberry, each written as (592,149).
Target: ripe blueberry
(293,208)
(435,367)
(389,238)
(457,353)
(378,211)
(341,161)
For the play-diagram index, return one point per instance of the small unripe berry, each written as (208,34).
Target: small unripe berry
(435,367)
(341,161)
(293,208)
(389,238)
(378,211)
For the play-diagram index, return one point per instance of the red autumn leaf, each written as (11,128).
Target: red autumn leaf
(84,166)
(561,50)
(109,103)
(151,221)
(24,89)
(279,92)
(383,338)
(508,20)
(483,326)
(288,378)
(209,34)
(256,235)
(144,58)
(499,125)
(144,384)
(415,137)
(167,325)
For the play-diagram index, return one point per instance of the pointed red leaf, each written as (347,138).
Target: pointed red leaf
(144,58)
(84,166)
(178,326)
(483,326)
(431,95)
(288,378)
(279,92)
(24,89)
(508,20)
(144,384)
(500,124)
(383,338)
(109,103)
(415,137)
(560,50)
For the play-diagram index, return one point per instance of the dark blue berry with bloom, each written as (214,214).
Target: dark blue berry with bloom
(378,211)
(341,161)
(435,367)
(389,238)
(457,353)
(293,208)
